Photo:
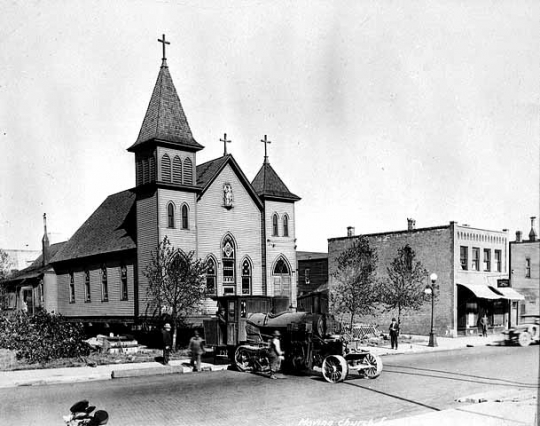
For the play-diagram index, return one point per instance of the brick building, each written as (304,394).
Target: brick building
(470,264)
(525,272)
(312,281)
(244,230)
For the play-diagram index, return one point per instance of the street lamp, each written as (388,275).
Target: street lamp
(430,289)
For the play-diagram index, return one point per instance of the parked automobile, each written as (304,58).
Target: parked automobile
(527,332)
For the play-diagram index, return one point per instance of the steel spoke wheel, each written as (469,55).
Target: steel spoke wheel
(335,369)
(524,339)
(374,368)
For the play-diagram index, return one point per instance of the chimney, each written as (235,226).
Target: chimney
(518,236)
(411,224)
(350,231)
(45,242)
(532,234)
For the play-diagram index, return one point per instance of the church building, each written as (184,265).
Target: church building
(244,230)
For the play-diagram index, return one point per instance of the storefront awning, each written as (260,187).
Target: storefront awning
(509,293)
(482,291)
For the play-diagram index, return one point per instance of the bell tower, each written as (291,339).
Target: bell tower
(165,168)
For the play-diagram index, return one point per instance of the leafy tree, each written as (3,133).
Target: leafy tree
(404,287)
(175,283)
(355,292)
(5,265)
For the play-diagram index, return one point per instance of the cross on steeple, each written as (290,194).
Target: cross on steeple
(164,43)
(225,142)
(266,142)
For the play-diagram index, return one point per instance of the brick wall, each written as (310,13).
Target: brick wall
(434,248)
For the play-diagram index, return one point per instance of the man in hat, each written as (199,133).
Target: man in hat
(167,343)
(196,349)
(394,333)
(275,354)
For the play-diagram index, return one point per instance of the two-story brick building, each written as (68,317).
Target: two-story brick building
(469,262)
(525,273)
(244,230)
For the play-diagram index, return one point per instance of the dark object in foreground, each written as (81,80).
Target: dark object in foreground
(80,415)
(525,333)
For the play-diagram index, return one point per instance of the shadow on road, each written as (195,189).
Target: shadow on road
(417,371)
(391,395)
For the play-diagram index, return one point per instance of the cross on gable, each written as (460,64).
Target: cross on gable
(225,142)
(266,142)
(164,43)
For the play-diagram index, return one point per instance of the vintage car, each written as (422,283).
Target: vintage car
(527,332)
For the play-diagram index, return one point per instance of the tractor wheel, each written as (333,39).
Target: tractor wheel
(375,366)
(335,369)
(524,339)
(242,359)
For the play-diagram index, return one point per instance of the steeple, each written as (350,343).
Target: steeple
(165,120)
(267,184)
(45,242)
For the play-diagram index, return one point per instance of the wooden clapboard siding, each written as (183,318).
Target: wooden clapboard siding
(50,291)
(242,221)
(181,238)
(280,246)
(114,307)
(147,241)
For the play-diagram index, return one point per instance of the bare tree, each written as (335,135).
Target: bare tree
(355,292)
(404,287)
(175,283)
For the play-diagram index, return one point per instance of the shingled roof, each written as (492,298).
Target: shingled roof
(267,184)
(165,119)
(111,228)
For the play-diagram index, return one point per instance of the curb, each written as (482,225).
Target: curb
(499,396)
(154,371)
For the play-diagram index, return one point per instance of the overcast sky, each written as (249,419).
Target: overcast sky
(377,110)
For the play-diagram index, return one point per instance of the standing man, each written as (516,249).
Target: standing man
(275,354)
(394,333)
(484,324)
(167,343)
(196,349)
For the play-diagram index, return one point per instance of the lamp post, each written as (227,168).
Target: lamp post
(430,289)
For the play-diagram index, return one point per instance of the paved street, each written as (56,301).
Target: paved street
(410,384)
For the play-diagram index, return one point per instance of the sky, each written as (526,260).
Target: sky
(378,111)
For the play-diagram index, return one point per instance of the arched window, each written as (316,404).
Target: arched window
(185,217)
(211,277)
(177,170)
(228,257)
(166,168)
(152,168)
(123,280)
(71,287)
(188,172)
(170,215)
(104,284)
(246,277)
(87,297)
(285,225)
(275,225)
